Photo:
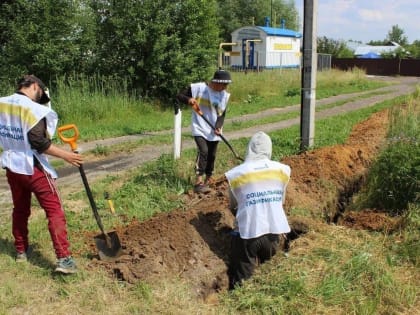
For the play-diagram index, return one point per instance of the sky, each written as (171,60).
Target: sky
(365,20)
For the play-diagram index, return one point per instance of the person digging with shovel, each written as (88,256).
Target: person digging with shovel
(210,99)
(26,128)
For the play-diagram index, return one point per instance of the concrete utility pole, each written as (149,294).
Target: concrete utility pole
(309,68)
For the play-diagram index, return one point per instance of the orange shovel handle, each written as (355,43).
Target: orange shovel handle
(72,139)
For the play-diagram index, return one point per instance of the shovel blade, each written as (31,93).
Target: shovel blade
(108,245)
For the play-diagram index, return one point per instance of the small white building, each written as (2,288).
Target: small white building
(265,47)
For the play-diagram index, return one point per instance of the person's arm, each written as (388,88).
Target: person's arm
(68,156)
(220,120)
(219,124)
(37,138)
(185,96)
(233,204)
(42,144)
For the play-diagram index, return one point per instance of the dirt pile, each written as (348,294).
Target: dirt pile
(324,179)
(193,243)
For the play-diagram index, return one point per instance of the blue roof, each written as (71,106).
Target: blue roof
(273,31)
(370,55)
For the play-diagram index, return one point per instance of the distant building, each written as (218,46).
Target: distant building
(369,51)
(265,47)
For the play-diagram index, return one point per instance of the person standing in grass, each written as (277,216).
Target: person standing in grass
(26,128)
(212,99)
(257,190)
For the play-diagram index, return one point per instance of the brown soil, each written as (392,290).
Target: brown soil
(192,244)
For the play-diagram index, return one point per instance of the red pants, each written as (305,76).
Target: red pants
(45,190)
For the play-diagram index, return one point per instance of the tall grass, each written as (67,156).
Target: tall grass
(394,179)
(103,108)
(408,249)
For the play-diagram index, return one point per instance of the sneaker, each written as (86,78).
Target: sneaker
(23,257)
(66,265)
(201,188)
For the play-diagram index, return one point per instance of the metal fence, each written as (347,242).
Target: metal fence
(324,62)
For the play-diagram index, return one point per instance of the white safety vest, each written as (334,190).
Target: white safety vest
(212,104)
(259,188)
(18,115)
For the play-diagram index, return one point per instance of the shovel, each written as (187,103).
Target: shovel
(200,113)
(108,244)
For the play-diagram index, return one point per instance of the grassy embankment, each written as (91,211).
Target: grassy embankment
(336,272)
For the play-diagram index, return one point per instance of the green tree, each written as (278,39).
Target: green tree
(160,45)
(399,53)
(414,49)
(396,34)
(227,19)
(237,13)
(378,42)
(40,37)
(336,48)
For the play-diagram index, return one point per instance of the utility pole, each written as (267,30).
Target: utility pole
(308,77)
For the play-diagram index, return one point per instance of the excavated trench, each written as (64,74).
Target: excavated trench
(345,197)
(193,244)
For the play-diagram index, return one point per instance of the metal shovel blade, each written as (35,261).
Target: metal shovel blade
(108,245)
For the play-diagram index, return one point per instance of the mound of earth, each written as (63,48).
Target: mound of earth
(192,244)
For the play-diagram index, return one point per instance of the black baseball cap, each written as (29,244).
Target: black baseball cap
(29,79)
(221,76)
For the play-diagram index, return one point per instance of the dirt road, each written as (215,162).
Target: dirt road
(116,163)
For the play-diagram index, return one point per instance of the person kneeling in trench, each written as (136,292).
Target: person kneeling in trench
(257,191)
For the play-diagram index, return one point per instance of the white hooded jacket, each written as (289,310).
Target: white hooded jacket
(258,186)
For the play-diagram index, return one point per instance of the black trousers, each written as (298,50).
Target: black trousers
(247,253)
(206,156)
